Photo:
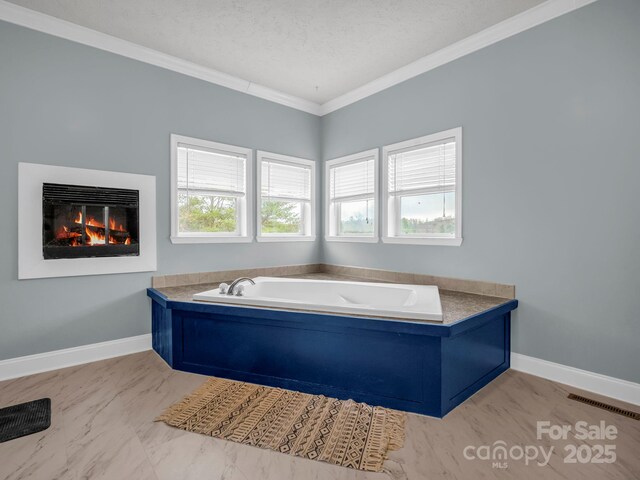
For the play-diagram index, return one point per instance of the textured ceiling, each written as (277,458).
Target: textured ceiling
(313,49)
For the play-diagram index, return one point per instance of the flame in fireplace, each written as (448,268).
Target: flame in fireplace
(112,226)
(92,222)
(72,237)
(98,238)
(94,232)
(93,238)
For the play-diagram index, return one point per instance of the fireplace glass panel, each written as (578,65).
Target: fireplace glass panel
(81,221)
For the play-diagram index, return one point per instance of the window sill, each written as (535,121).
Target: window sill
(221,239)
(449,242)
(351,239)
(285,239)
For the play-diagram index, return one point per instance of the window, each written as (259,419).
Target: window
(351,198)
(422,190)
(210,189)
(285,198)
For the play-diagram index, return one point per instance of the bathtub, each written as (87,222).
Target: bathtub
(408,302)
(283,334)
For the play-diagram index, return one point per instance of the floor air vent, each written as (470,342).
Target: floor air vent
(605,406)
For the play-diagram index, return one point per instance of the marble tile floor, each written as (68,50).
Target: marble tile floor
(102,428)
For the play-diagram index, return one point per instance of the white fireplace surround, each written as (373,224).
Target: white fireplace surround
(31,262)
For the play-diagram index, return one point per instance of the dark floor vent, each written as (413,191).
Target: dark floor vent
(605,406)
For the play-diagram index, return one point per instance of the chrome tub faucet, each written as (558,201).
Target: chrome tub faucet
(234,288)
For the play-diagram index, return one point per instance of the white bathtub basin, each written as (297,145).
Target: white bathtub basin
(413,302)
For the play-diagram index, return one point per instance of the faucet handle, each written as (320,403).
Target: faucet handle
(239,290)
(222,288)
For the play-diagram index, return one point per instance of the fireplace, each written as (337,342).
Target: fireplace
(80,221)
(76,221)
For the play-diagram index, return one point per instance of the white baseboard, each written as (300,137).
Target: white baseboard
(593,382)
(68,357)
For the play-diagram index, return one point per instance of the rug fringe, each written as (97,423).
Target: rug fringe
(396,421)
(391,438)
(374,462)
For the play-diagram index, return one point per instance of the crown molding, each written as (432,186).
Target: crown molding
(519,23)
(41,22)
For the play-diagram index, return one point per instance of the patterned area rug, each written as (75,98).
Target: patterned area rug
(345,433)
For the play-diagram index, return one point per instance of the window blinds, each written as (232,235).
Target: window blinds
(352,180)
(285,181)
(211,172)
(423,169)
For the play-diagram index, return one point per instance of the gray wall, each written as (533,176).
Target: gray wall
(62,103)
(551,138)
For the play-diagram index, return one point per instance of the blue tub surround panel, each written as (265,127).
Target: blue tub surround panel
(421,367)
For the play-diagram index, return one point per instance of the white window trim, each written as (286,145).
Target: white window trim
(420,240)
(179,238)
(353,158)
(307,237)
